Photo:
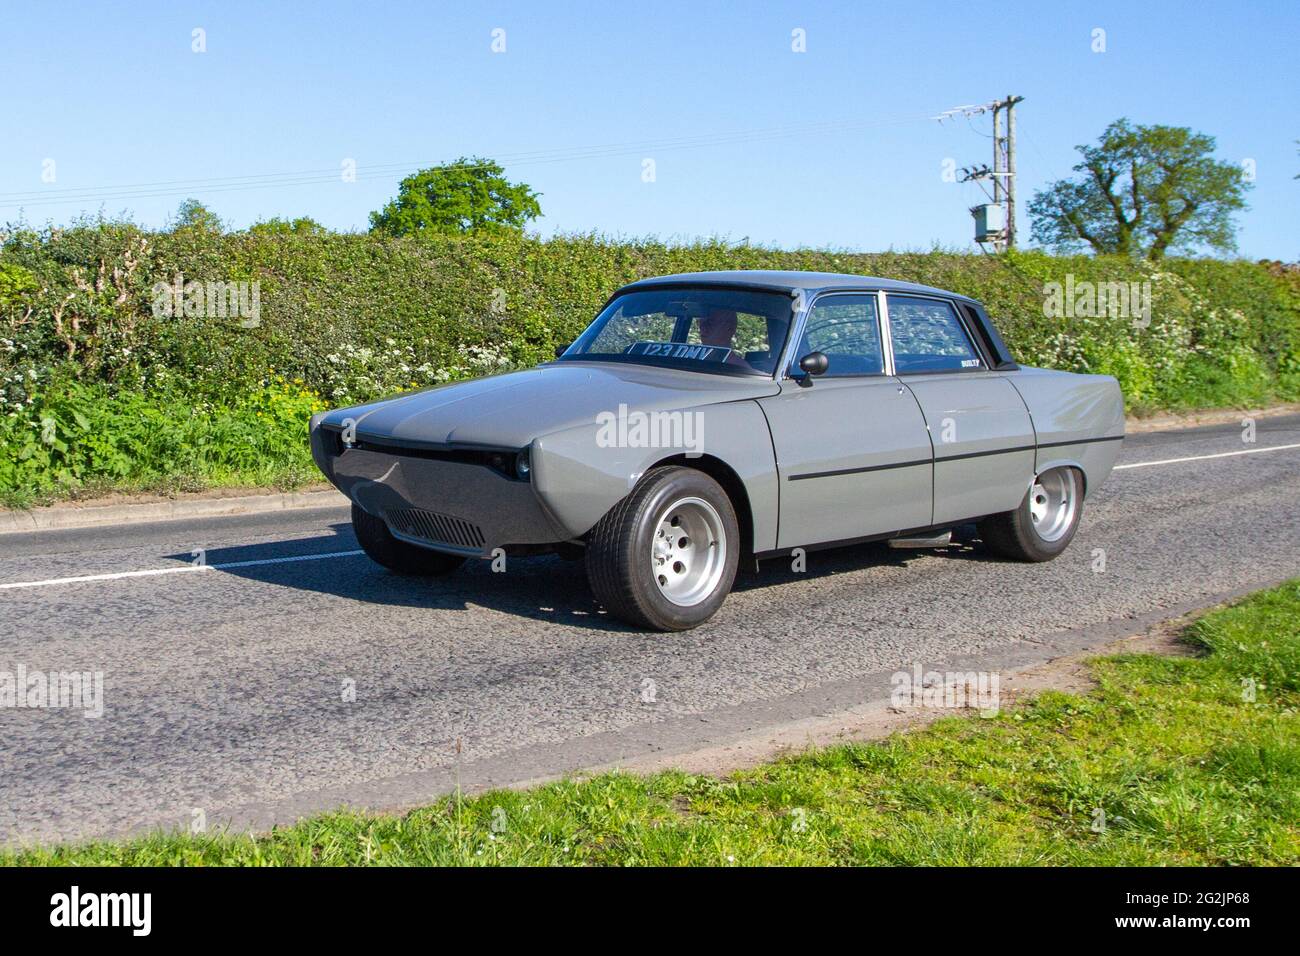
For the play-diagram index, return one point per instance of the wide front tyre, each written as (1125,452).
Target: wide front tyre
(1044,524)
(665,557)
(378,542)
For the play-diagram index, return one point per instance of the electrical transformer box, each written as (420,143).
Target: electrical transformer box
(990,221)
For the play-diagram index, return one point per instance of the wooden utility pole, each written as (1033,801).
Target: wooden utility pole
(1003,172)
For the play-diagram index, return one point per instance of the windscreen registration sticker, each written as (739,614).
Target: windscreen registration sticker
(681,350)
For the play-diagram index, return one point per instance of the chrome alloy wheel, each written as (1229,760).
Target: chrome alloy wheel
(1053,502)
(688,551)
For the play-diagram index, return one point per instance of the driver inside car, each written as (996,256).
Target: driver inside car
(718,328)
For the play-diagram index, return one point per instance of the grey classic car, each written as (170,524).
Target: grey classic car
(705,421)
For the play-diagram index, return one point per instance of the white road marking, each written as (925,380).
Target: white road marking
(150,572)
(1222,454)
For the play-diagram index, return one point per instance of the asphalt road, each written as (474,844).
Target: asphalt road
(227,690)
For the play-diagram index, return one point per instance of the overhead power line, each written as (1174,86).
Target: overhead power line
(320,176)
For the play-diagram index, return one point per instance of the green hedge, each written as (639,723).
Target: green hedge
(344,318)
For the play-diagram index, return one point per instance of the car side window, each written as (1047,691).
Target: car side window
(844,327)
(928,336)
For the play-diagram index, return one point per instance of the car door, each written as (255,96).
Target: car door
(853,454)
(982,433)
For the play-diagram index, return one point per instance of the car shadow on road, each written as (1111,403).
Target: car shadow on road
(544,588)
(547,588)
(815,564)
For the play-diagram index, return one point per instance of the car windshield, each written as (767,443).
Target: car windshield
(719,330)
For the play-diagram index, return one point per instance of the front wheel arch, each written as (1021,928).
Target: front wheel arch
(622,550)
(731,483)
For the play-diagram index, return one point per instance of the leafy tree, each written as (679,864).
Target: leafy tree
(192,214)
(469,195)
(15,282)
(1144,190)
(302,226)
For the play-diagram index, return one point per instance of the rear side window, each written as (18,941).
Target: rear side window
(845,328)
(928,337)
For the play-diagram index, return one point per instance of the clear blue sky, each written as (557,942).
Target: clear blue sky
(115,96)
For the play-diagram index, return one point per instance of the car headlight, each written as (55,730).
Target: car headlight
(522,464)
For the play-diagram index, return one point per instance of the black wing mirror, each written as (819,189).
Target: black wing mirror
(561,349)
(814,363)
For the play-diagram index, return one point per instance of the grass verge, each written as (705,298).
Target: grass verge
(92,440)
(1172,760)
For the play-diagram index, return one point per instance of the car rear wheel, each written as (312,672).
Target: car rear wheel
(665,557)
(396,555)
(1044,524)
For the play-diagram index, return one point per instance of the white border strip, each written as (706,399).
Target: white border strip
(1224,454)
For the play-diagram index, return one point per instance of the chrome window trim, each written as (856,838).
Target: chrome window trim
(797,330)
(975,348)
(882,309)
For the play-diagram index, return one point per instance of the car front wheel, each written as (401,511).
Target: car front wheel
(397,555)
(1044,524)
(665,557)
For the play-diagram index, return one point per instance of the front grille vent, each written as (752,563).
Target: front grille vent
(434,528)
